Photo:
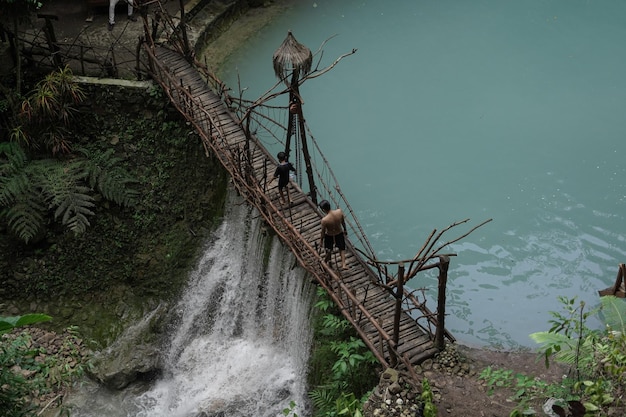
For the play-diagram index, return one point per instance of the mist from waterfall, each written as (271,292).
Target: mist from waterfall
(241,341)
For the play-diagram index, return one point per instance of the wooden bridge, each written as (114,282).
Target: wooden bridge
(398,328)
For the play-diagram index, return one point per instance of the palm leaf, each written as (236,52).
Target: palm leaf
(614,311)
(8,323)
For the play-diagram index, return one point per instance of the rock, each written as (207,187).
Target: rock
(119,370)
(395,388)
(133,356)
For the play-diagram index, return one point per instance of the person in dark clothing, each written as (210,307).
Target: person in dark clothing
(282,173)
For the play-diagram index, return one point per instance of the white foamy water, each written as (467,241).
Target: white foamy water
(241,340)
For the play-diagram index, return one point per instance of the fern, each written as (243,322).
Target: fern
(323,400)
(74,208)
(102,173)
(28,189)
(13,180)
(63,189)
(25,217)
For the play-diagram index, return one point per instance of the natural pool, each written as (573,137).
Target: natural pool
(503,109)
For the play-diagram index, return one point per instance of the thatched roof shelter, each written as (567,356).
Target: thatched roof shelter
(292,56)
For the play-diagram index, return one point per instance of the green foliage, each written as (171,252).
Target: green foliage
(525,389)
(348,365)
(47,112)
(614,312)
(427,397)
(324,302)
(597,360)
(350,355)
(290,411)
(14,387)
(348,405)
(333,324)
(104,173)
(9,323)
(29,188)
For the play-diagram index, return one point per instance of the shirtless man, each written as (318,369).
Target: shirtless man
(333,232)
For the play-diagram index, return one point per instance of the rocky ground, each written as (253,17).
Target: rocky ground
(458,390)
(51,357)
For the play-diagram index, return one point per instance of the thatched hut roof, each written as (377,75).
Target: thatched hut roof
(292,56)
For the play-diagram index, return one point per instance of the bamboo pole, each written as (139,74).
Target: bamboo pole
(396,322)
(441,302)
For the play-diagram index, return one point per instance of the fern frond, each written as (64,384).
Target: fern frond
(103,174)
(56,180)
(73,209)
(323,399)
(11,187)
(12,156)
(26,216)
(64,192)
(113,185)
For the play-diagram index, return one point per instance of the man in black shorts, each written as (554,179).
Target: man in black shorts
(333,232)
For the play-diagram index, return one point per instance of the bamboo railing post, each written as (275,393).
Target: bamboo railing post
(396,321)
(444,263)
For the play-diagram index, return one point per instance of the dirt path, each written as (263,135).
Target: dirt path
(467,395)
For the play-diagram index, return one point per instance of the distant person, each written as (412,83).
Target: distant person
(112,4)
(282,173)
(333,232)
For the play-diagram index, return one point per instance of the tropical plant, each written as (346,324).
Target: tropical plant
(28,370)
(29,189)
(351,365)
(44,117)
(9,323)
(597,360)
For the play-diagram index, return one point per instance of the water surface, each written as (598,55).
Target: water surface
(504,109)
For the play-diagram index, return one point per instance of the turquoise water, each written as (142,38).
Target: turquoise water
(504,109)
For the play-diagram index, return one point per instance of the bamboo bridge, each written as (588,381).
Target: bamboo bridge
(398,328)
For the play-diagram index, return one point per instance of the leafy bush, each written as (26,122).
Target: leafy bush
(597,359)
(14,387)
(31,372)
(345,364)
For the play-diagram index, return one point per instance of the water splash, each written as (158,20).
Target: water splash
(241,340)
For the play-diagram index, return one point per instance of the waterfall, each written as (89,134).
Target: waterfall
(240,345)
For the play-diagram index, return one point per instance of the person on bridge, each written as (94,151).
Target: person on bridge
(282,173)
(112,4)
(333,232)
